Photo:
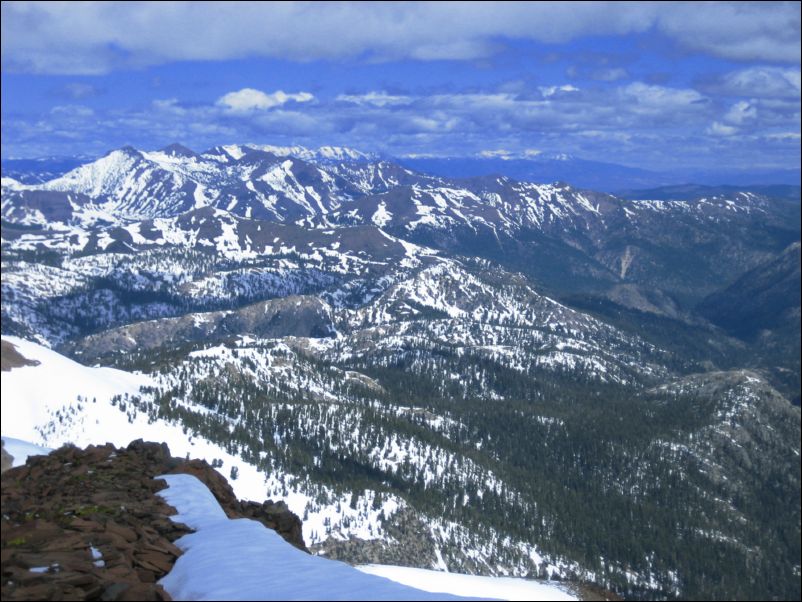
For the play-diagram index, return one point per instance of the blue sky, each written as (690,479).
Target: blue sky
(652,85)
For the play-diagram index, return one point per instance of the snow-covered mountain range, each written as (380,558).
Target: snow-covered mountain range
(449,373)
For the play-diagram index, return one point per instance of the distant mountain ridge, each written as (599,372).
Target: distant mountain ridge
(599,238)
(541,167)
(598,175)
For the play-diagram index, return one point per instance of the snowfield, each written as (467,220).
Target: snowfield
(31,395)
(241,559)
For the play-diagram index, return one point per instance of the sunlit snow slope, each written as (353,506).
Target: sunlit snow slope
(242,560)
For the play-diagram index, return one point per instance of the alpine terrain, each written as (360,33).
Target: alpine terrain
(478,375)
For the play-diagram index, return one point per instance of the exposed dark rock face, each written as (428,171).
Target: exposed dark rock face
(276,516)
(87,524)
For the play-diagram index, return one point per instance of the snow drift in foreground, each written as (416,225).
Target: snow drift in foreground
(241,559)
(503,588)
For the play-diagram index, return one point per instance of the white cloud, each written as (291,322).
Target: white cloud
(249,99)
(79,90)
(720,129)
(552,90)
(495,154)
(761,31)
(97,37)
(378,99)
(760,82)
(785,136)
(660,98)
(740,113)
(71,111)
(610,75)
(613,136)
(169,105)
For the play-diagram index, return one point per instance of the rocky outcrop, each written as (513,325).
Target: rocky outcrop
(408,542)
(87,524)
(276,516)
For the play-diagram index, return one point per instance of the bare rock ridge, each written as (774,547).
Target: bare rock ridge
(87,524)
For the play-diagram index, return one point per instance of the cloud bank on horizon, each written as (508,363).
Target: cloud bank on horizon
(655,85)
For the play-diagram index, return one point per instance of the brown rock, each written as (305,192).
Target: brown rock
(80,524)
(126,533)
(163,547)
(161,562)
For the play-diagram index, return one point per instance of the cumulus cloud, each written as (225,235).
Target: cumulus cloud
(785,136)
(169,105)
(740,113)
(71,111)
(639,122)
(661,100)
(97,37)
(547,91)
(248,100)
(744,31)
(758,82)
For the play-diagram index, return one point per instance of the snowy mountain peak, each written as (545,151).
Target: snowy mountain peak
(178,150)
(341,153)
(323,153)
(99,177)
(235,152)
